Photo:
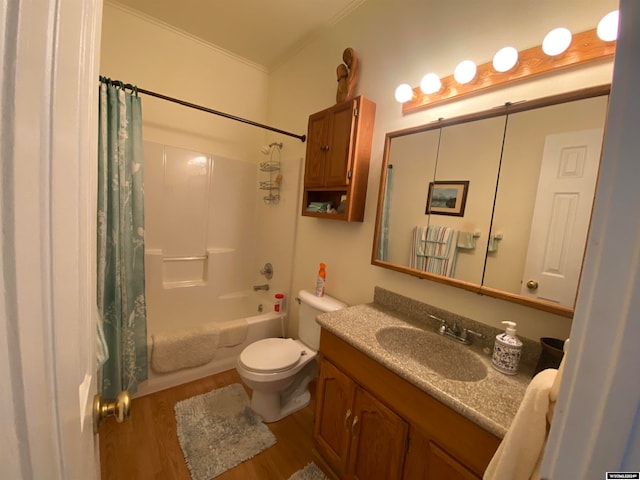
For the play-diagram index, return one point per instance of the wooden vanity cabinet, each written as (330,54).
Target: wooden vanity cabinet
(357,435)
(402,433)
(337,161)
(426,461)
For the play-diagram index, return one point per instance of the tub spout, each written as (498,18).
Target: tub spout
(261,287)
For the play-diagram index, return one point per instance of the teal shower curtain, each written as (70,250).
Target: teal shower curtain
(122,326)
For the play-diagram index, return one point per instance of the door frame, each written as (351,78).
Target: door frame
(49,59)
(596,425)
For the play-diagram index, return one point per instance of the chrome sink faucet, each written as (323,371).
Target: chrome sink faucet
(459,335)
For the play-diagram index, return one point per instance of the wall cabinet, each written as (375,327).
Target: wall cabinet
(372,424)
(337,161)
(359,436)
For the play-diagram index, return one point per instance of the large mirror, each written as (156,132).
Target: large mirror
(497,202)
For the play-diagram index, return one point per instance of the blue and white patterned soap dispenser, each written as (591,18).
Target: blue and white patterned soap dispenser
(507,350)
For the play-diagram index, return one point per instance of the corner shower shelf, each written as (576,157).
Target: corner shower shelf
(269,185)
(271,166)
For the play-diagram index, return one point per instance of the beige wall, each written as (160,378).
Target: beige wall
(156,57)
(397,43)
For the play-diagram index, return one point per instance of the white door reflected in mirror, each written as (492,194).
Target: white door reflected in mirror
(561,217)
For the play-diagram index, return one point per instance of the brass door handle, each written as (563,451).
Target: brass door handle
(119,408)
(532,285)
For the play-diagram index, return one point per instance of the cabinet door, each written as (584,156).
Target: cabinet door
(426,461)
(335,394)
(378,440)
(443,466)
(340,144)
(316,149)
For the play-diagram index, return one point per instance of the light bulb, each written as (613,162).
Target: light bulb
(404,93)
(465,71)
(430,83)
(556,41)
(608,26)
(505,59)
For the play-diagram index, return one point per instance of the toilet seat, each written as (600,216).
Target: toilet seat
(271,355)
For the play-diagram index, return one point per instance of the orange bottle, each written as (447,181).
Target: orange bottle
(322,278)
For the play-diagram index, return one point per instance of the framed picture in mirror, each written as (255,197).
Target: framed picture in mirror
(447,198)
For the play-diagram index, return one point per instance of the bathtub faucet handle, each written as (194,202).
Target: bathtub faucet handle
(267,271)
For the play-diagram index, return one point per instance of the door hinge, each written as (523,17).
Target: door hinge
(349,174)
(355,112)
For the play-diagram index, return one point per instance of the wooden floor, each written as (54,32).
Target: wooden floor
(145,445)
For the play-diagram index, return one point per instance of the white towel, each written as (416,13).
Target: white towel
(184,348)
(519,455)
(233,333)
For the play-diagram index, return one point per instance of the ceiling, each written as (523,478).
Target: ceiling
(262,31)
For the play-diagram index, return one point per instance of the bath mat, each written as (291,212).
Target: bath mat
(310,472)
(218,430)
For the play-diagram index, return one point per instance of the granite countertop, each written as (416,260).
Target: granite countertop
(490,403)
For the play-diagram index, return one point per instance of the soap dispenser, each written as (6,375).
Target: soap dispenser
(507,350)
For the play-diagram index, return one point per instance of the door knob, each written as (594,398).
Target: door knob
(119,408)
(532,285)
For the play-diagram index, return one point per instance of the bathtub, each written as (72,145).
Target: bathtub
(225,308)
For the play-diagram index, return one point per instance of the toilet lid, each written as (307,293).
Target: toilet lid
(271,355)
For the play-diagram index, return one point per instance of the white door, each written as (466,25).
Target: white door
(561,217)
(48,58)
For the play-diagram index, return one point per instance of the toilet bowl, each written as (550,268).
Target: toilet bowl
(279,370)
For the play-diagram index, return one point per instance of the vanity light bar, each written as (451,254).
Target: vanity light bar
(585,47)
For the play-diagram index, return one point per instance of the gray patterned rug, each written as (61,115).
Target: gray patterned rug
(218,430)
(310,472)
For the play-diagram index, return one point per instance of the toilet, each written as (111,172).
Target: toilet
(279,370)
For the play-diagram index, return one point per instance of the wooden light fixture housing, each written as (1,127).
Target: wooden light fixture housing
(585,47)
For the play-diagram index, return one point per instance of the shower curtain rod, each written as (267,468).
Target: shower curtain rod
(118,83)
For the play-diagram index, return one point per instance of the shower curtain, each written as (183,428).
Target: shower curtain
(122,329)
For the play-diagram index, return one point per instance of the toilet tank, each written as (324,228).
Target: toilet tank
(310,307)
